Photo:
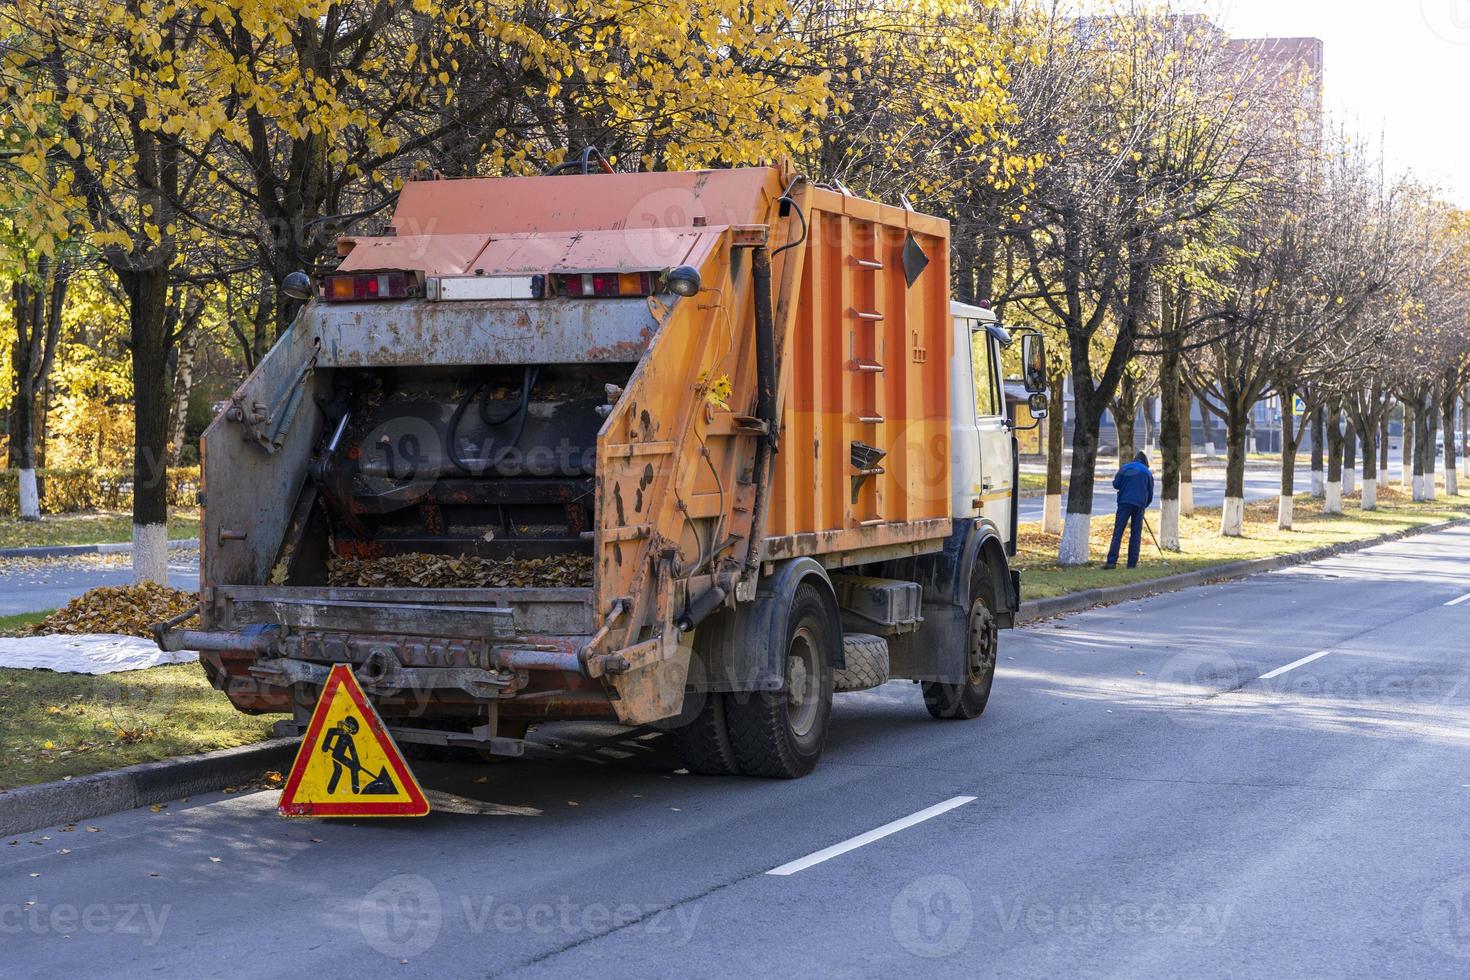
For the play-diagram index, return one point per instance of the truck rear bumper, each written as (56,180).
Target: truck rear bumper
(270,649)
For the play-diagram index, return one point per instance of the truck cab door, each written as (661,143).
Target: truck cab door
(992,430)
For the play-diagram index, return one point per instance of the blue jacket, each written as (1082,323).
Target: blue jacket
(1135,485)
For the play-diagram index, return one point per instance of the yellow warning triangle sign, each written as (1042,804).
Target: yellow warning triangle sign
(348,764)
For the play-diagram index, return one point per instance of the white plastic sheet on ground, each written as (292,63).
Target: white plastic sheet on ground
(89,653)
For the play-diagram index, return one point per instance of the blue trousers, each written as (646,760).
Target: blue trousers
(1127,513)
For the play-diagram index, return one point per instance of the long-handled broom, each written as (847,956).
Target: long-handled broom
(1154,536)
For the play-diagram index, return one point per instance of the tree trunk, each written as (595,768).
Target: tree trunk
(1232,514)
(1185,452)
(1428,431)
(1447,406)
(1286,504)
(1406,451)
(147,291)
(179,404)
(1370,467)
(1465,433)
(1423,451)
(1169,403)
(1076,544)
(1383,439)
(1207,429)
(1051,508)
(23,448)
(1349,459)
(36,312)
(1125,415)
(1332,496)
(1319,428)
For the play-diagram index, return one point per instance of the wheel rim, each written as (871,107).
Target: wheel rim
(802,700)
(983,636)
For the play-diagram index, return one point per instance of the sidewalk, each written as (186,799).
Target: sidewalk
(68,550)
(1037,464)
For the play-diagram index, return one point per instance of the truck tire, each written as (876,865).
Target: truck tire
(866,659)
(967,699)
(703,745)
(780,734)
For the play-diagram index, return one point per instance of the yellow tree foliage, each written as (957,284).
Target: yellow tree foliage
(920,94)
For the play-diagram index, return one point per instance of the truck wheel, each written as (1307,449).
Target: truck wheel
(703,745)
(967,700)
(781,734)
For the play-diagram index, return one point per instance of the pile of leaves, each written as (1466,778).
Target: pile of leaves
(128,609)
(461,572)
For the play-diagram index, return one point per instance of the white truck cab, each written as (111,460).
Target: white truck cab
(981,442)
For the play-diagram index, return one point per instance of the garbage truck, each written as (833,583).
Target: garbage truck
(694,451)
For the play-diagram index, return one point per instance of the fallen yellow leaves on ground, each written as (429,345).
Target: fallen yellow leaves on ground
(459,572)
(127,609)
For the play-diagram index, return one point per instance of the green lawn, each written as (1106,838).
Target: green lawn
(1203,546)
(1033,483)
(100,527)
(56,725)
(16,625)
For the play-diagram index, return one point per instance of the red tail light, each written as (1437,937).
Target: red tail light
(355,286)
(589,284)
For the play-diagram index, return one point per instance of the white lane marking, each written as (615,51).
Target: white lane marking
(1293,665)
(1456,602)
(877,833)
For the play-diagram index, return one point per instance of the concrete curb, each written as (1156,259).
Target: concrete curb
(67,550)
(28,808)
(1089,598)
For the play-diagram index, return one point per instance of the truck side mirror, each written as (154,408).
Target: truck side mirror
(1037,404)
(1033,365)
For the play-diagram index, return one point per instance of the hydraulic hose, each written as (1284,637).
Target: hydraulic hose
(488,451)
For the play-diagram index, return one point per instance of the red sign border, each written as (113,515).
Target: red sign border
(417,805)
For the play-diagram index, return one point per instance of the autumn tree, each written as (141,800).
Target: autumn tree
(1154,146)
(191,143)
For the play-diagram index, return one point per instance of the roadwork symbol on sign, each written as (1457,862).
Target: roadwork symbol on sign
(348,765)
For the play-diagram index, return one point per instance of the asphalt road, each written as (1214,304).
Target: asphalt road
(33,585)
(1148,795)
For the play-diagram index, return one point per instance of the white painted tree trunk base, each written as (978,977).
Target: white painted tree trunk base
(30,496)
(1332,499)
(1416,488)
(1431,488)
(1232,517)
(1210,451)
(1349,481)
(1186,498)
(1285,510)
(1169,525)
(1076,546)
(1451,482)
(1051,514)
(1370,494)
(150,553)
(1319,483)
